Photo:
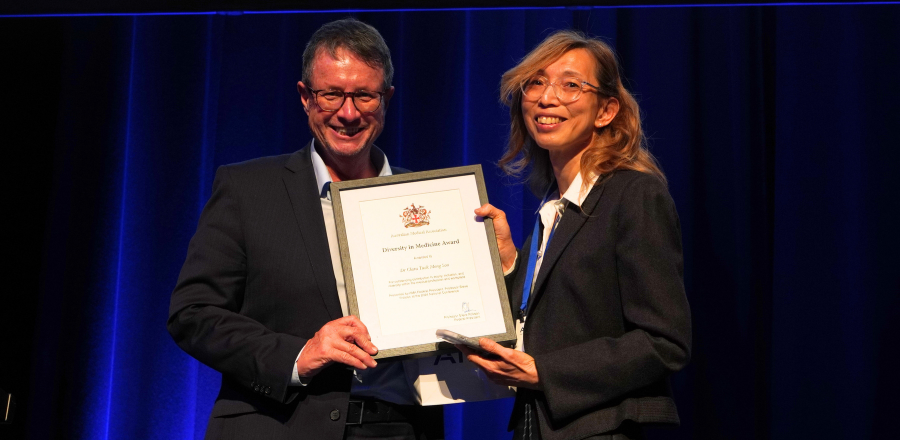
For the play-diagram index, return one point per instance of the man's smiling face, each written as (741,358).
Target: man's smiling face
(345,132)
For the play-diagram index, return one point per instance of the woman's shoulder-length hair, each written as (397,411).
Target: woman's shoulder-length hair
(620,145)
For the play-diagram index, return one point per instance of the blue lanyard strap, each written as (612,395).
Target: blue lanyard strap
(532,260)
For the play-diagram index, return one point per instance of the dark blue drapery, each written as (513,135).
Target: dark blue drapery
(773,124)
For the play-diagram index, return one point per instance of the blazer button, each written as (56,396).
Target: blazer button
(268,390)
(256,388)
(335,415)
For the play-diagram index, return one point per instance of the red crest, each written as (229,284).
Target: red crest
(415,216)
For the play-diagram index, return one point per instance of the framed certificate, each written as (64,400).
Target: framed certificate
(416,259)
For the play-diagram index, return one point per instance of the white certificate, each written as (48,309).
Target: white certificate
(417,259)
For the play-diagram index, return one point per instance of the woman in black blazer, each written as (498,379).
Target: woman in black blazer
(604,319)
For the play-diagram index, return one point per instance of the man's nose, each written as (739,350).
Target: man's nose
(348,110)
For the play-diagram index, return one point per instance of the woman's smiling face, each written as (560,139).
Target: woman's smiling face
(565,128)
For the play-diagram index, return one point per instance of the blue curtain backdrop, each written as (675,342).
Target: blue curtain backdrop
(775,125)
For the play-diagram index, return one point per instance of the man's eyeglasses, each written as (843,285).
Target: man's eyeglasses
(333,100)
(567,89)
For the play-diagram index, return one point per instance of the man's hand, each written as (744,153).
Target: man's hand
(505,366)
(504,237)
(345,340)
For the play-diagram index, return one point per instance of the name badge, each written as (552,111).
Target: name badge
(520,334)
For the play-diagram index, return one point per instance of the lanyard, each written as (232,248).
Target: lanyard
(532,260)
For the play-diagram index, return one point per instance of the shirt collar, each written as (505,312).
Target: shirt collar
(321,171)
(575,194)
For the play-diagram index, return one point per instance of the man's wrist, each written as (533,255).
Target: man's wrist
(296,378)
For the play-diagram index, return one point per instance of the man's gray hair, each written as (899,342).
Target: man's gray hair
(360,39)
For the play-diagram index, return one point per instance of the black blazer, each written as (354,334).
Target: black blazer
(609,320)
(257,283)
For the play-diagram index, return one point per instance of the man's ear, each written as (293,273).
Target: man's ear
(607,113)
(387,96)
(305,96)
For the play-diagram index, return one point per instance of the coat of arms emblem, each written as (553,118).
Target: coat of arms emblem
(414,216)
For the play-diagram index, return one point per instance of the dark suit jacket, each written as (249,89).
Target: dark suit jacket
(609,319)
(256,284)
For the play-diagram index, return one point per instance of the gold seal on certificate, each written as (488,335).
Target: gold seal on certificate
(416,259)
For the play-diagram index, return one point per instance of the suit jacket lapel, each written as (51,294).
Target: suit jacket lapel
(569,225)
(300,182)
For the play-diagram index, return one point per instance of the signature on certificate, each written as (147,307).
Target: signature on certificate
(465,307)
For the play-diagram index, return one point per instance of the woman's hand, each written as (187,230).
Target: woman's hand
(504,237)
(505,366)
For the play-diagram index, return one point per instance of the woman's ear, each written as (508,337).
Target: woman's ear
(607,113)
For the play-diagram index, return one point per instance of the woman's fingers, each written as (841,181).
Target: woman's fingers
(504,237)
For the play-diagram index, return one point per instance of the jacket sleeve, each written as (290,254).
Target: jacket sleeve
(657,326)
(204,312)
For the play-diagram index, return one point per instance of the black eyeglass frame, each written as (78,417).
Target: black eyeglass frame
(352,95)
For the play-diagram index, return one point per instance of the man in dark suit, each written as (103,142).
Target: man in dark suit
(261,297)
